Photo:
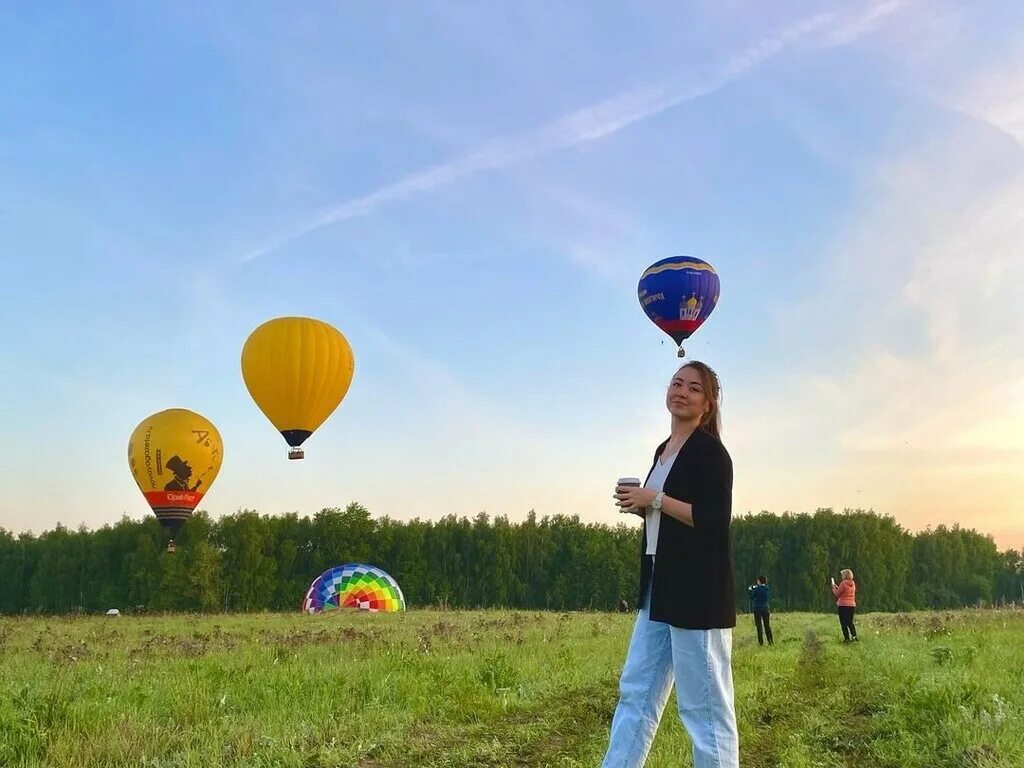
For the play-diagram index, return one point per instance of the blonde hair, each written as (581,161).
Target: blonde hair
(846,573)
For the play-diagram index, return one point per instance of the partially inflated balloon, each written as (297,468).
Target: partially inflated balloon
(354,585)
(175,456)
(678,294)
(297,370)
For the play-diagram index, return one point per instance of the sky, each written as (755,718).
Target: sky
(470,192)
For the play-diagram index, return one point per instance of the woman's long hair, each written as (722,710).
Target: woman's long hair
(712,420)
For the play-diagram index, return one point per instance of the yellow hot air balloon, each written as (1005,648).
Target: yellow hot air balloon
(298,370)
(175,456)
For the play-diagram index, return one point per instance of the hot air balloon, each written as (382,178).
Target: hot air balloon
(354,585)
(678,294)
(174,456)
(297,370)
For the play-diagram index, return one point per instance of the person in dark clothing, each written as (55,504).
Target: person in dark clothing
(759,594)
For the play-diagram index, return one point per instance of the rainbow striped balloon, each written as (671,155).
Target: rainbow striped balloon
(354,585)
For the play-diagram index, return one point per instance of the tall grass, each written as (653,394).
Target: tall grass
(491,688)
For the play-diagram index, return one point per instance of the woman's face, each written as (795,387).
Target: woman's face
(686,398)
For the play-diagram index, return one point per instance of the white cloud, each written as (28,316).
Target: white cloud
(997,98)
(862,23)
(593,122)
(917,406)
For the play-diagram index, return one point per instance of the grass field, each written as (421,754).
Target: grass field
(491,688)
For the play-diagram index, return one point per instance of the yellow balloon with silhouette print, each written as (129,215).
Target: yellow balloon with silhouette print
(174,456)
(298,371)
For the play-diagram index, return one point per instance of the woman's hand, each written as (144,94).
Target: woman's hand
(632,499)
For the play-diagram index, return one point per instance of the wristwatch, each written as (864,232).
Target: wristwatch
(656,504)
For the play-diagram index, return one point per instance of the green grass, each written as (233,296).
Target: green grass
(492,688)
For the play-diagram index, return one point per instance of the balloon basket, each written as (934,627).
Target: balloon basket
(296,453)
(171,546)
(681,352)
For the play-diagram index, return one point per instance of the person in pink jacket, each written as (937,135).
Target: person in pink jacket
(845,594)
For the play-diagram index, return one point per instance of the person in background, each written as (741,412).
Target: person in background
(845,593)
(759,594)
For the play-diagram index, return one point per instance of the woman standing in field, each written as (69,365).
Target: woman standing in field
(845,592)
(683,632)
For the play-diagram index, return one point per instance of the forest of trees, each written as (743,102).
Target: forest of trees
(252,562)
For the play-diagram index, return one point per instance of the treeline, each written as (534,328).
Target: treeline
(252,562)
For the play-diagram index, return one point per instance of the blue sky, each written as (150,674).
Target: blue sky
(470,194)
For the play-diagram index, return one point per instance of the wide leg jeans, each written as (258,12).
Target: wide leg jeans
(699,663)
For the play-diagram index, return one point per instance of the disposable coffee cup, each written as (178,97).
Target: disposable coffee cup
(630,481)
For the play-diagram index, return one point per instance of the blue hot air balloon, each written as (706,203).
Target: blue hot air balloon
(678,294)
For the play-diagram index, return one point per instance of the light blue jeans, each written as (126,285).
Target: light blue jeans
(700,660)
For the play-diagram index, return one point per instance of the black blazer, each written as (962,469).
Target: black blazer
(693,579)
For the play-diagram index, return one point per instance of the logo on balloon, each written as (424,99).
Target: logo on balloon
(690,309)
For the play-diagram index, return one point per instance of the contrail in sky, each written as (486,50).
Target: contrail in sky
(590,123)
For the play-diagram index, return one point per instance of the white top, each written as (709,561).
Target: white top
(656,482)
